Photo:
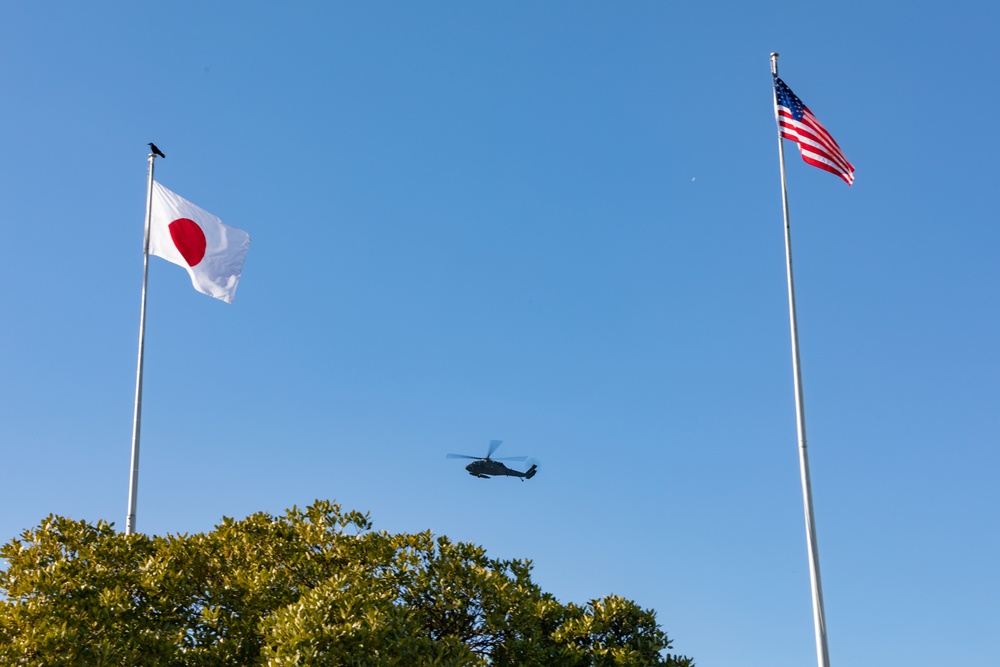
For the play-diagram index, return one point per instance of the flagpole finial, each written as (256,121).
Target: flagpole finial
(774,62)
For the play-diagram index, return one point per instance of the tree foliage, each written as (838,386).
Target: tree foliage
(313,587)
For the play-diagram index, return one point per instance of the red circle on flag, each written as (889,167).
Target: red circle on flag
(189,239)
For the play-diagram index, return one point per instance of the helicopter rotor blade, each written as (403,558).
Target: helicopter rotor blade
(512,458)
(461,456)
(493,447)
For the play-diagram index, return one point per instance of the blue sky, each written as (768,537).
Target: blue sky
(557,224)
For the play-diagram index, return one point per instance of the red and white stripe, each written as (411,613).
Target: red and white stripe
(816,145)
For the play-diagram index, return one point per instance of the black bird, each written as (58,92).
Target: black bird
(156,150)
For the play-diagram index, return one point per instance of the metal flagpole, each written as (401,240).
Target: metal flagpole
(133,482)
(819,618)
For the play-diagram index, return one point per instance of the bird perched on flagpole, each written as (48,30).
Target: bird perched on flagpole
(156,151)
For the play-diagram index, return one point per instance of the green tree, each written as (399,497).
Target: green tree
(311,587)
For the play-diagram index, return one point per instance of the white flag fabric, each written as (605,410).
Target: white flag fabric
(210,250)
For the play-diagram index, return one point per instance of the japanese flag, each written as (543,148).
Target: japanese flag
(210,250)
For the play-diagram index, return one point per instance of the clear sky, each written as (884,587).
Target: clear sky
(557,224)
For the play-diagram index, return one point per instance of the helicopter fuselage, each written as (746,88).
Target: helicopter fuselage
(487,468)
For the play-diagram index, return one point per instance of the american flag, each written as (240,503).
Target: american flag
(797,123)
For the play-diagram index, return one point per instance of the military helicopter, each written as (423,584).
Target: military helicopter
(488,467)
